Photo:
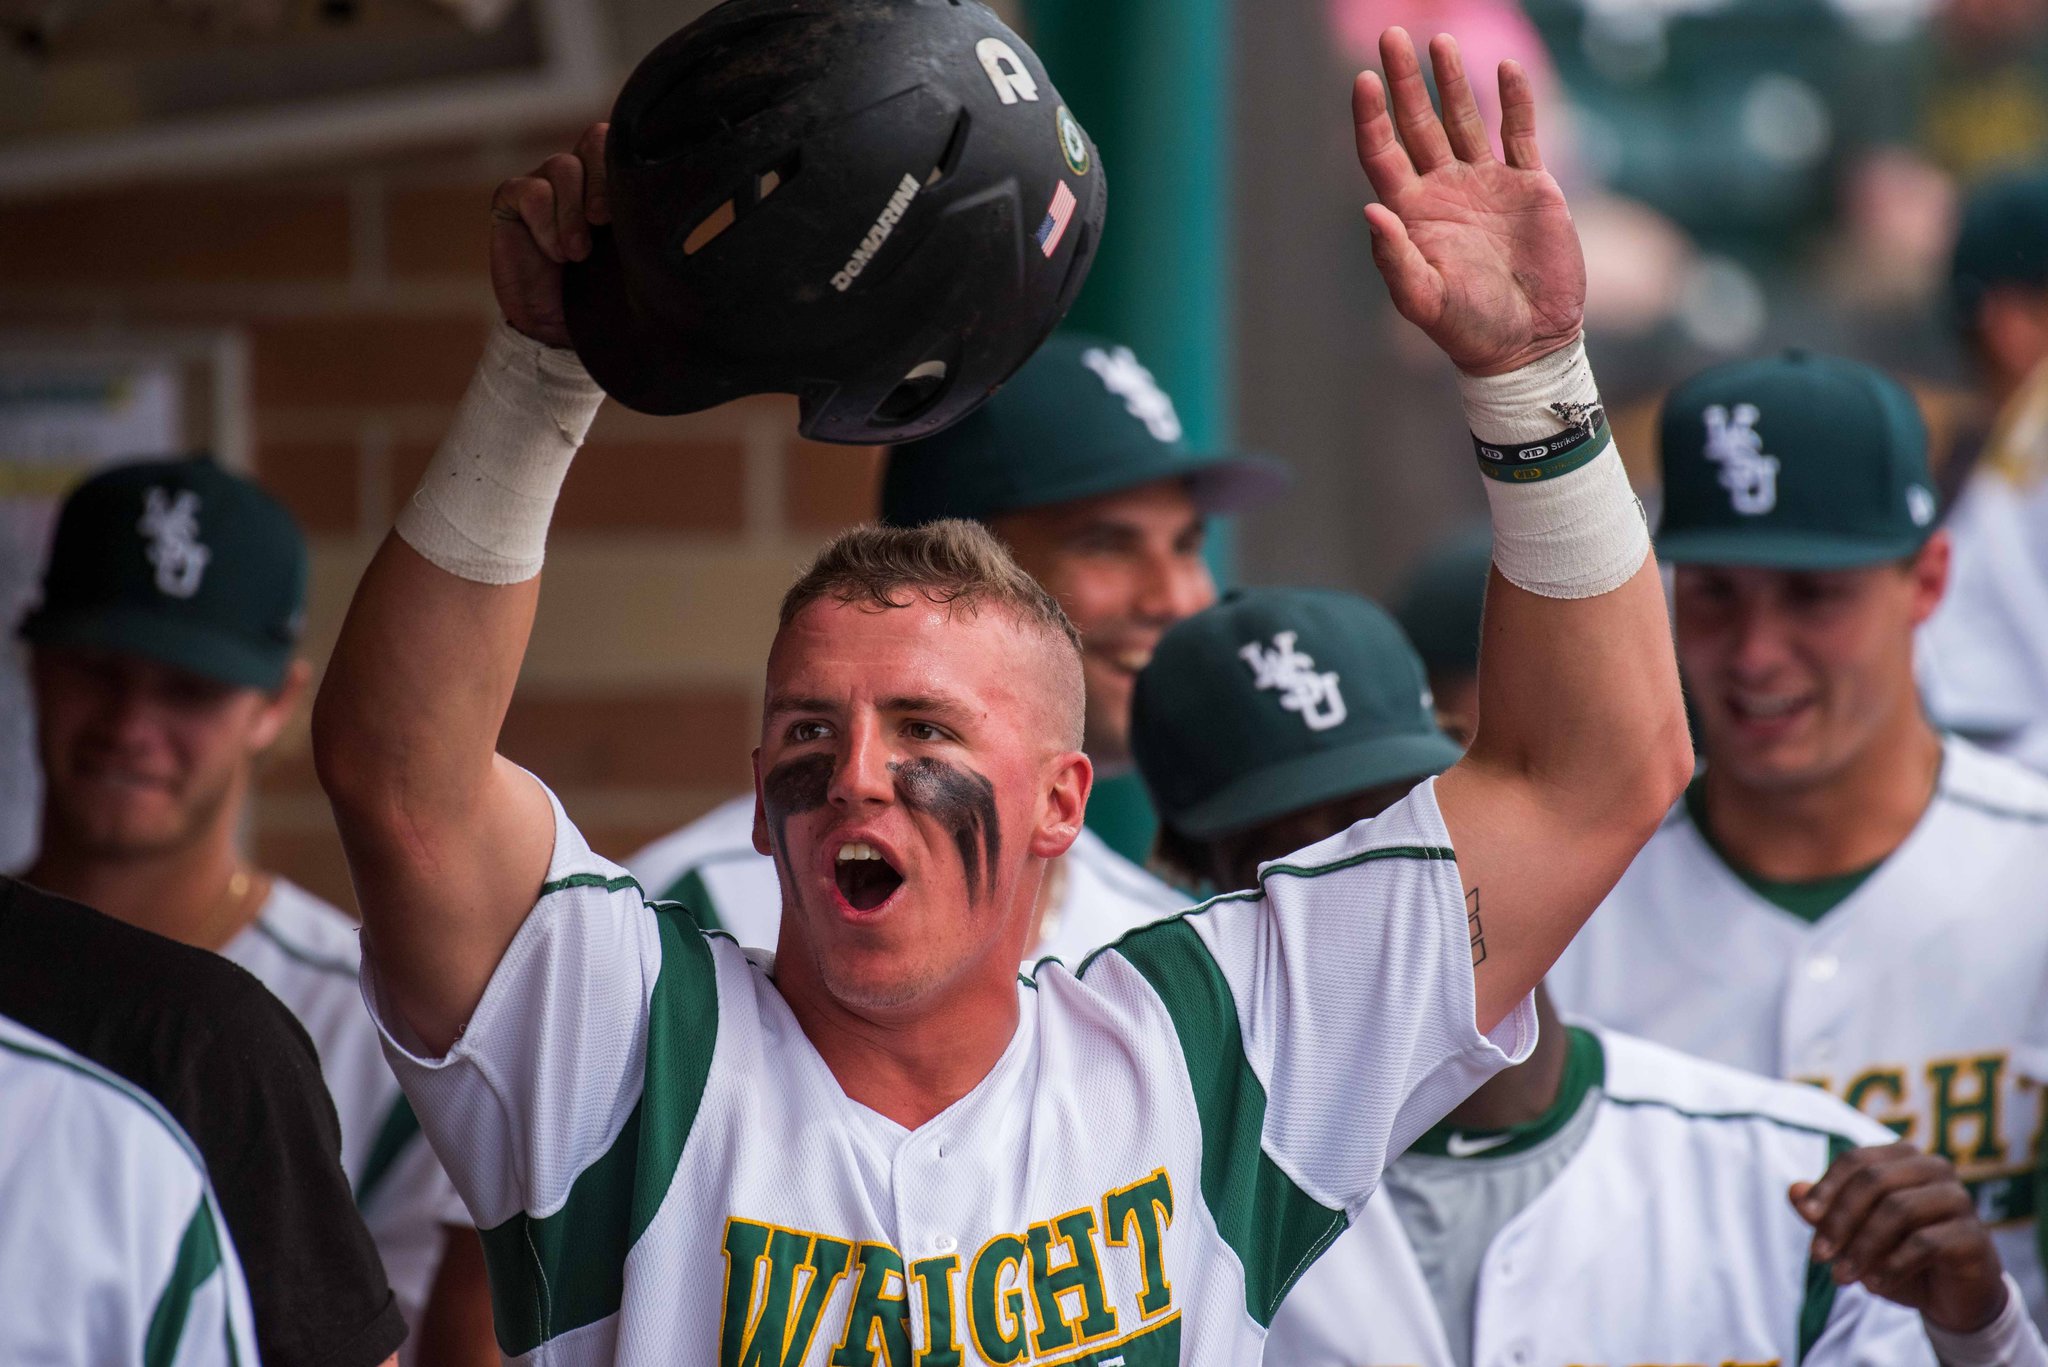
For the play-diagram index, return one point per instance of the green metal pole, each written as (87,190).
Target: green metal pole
(1151,81)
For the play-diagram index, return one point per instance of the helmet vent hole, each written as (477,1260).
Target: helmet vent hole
(916,392)
(709,227)
(956,144)
(777,176)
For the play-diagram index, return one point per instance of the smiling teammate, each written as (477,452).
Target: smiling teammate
(1608,1200)
(1079,465)
(882,1142)
(163,662)
(1844,897)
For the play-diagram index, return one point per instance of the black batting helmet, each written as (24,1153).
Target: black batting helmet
(880,206)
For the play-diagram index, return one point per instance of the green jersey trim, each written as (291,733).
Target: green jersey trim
(202,1236)
(1585,1069)
(553,1273)
(300,954)
(1808,898)
(1275,1228)
(199,1257)
(1272,871)
(1819,1303)
(401,1126)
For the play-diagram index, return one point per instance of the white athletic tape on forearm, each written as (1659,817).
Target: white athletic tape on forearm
(2011,1340)
(482,509)
(1578,533)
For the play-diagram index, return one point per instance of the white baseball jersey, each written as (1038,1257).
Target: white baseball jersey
(1910,1000)
(1984,653)
(666,1172)
(711,867)
(112,1247)
(1666,1237)
(307,953)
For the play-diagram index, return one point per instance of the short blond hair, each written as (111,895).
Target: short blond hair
(954,563)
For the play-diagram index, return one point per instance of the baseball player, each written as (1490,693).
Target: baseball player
(1079,465)
(1844,897)
(880,1144)
(1439,612)
(1984,653)
(115,1250)
(1609,1200)
(162,667)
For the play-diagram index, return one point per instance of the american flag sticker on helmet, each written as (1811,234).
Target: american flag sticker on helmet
(1056,219)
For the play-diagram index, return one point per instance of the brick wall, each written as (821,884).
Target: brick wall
(361,293)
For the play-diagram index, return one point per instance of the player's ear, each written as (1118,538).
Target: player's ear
(760,813)
(1929,569)
(280,705)
(1069,779)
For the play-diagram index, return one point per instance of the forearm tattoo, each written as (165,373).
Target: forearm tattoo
(1474,930)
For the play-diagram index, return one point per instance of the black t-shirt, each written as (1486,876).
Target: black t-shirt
(236,1069)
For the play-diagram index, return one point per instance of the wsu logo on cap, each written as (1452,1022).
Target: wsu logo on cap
(1125,376)
(1749,476)
(1294,676)
(170,523)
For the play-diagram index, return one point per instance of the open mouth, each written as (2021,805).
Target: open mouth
(865,878)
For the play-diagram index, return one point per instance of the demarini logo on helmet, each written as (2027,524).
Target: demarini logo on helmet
(1301,686)
(1749,476)
(892,214)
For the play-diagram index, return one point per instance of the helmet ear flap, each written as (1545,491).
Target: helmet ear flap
(835,200)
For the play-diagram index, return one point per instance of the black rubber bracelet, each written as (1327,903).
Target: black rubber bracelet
(1546,459)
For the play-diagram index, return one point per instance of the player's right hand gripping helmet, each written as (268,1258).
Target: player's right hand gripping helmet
(880,206)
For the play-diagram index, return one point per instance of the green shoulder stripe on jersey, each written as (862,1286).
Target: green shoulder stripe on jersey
(1820,1282)
(1275,871)
(401,1126)
(198,1258)
(592,880)
(1275,1228)
(558,1272)
(695,894)
(300,954)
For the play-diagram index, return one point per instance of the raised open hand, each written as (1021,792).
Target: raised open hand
(539,222)
(1480,255)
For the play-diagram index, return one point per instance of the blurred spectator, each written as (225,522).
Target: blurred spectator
(163,667)
(1984,655)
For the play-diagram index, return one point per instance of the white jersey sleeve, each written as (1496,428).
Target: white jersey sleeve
(1330,1013)
(541,1095)
(114,1250)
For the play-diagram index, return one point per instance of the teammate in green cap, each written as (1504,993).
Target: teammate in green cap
(1609,1200)
(1080,465)
(1843,896)
(1439,610)
(164,664)
(1984,655)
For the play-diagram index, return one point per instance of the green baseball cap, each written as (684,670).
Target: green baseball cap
(1082,417)
(1795,461)
(1279,699)
(181,562)
(1440,606)
(2002,240)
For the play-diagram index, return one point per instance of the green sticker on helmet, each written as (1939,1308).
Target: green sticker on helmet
(1073,142)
